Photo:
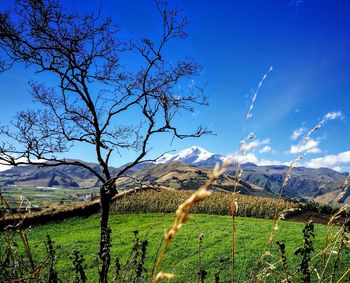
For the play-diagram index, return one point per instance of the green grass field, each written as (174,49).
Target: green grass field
(46,197)
(182,258)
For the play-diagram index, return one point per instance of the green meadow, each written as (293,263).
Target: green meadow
(186,255)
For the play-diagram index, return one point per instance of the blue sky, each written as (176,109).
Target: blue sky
(307,43)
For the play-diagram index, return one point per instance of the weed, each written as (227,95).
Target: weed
(305,252)
(117,277)
(282,250)
(202,273)
(78,266)
(223,262)
(53,276)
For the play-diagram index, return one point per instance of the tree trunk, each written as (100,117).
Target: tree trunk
(105,241)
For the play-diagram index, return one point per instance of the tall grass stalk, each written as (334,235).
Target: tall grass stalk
(242,151)
(182,216)
(288,175)
(335,245)
(21,232)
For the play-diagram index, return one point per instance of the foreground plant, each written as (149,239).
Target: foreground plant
(305,252)
(182,216)
(243,149)
(12,258)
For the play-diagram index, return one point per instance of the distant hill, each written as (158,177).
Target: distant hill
(178,175)
(58,176)
(322,185)
(189,169)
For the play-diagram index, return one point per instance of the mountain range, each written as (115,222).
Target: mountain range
(189,169)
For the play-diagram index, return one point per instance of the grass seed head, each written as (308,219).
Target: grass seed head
(163,275)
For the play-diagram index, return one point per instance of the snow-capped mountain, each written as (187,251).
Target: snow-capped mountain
(194,155)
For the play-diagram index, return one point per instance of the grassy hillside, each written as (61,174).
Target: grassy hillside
(182,258)
(177,175)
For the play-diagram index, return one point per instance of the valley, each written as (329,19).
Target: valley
(186,170)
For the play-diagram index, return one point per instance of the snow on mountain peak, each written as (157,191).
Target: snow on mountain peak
(164,158)
(193,155)
(194,152)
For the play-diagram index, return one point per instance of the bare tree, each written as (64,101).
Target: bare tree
(91,90)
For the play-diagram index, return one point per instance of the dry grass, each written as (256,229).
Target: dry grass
(218,203)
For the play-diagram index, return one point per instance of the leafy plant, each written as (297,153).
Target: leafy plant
(78,265)
(202,273)
(53,276)
(305,252)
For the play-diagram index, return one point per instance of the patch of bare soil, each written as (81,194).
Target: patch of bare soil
(316,217)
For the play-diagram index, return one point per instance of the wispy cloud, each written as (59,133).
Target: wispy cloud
(251,157)
(250,146)
(254,144)
(334,115)
(266,162)
(332,160)
(338,168)
(265,149)
(311,146)
(4,167)
(297,133)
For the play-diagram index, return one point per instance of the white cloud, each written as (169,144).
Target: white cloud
(254,144)
(314,150)
(265,162)
(332,161)
(338,168)
(4,167)
(297,133)
(338,162)
(265,149)
(334,115)
(250,157)
(309,147)
(250,146)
